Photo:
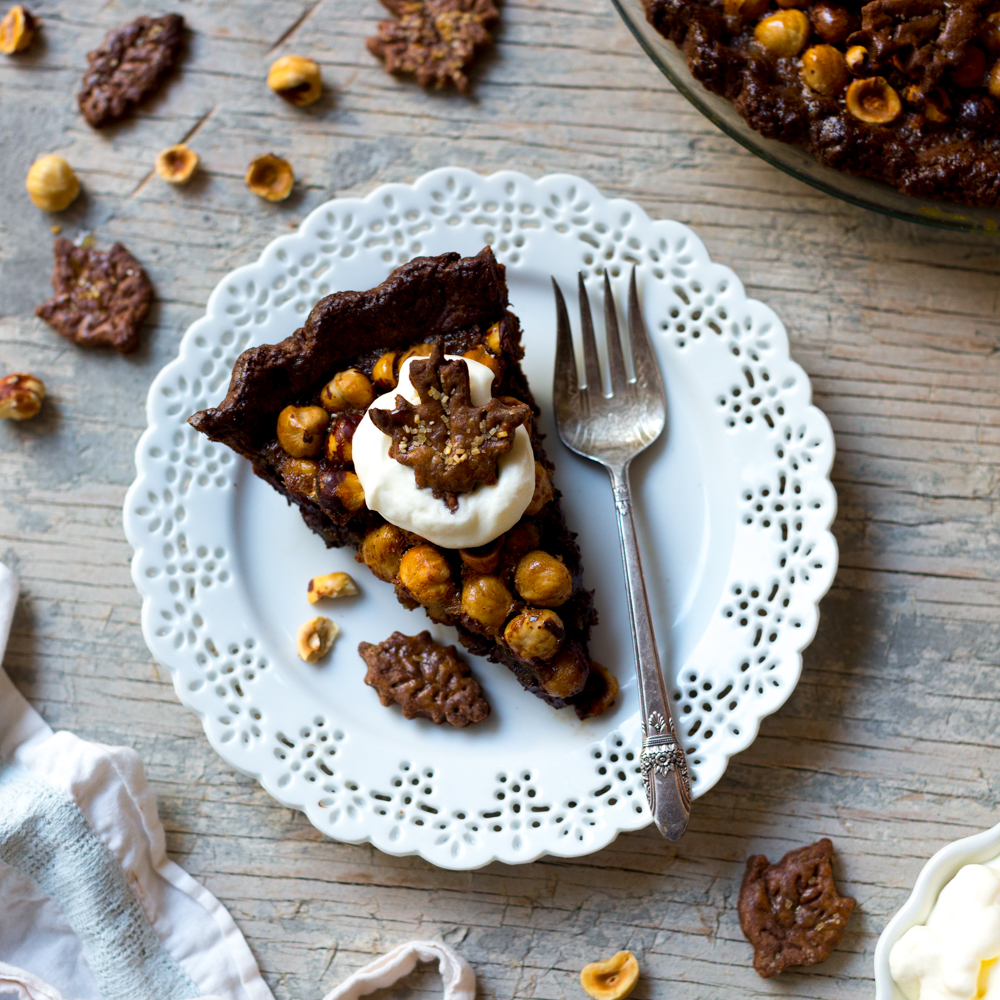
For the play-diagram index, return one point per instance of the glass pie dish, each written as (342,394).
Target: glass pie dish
(863,191)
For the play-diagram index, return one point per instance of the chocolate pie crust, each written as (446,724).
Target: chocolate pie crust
(456,300)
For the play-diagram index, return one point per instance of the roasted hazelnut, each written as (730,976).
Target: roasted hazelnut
(417,351)
(382,550)
(970,73)
(301,429)
(744,10)
(857,60)
(480,354)
(612,979)
(535,634)
(339,442)
(17,30)
(993,80)
(299,475)
(384,371)
(483,558)
(543,490)
(347,390)
(492,339)
(332,585)
(565,675)
(783,34)
(523,537)
(296,79)
(177,164)
(873,101)
(340,494)
(425,573)
(486,600)
(270,177)
(607,697)
(543,580)
(831,22)
(316,638)
(21,396)
(989,33)
(824,69)
(51,183)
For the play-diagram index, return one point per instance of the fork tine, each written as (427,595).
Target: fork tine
(565,385)
(619,379)
(647,370)
(590,364)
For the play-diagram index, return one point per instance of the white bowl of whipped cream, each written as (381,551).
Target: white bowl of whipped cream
(944,943)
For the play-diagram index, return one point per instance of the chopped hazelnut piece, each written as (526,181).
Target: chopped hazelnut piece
(20,397)
(301,430)
(492,340)
(17,30)
(824,69)
(535,634)
(784,34)
(316,638)
(483,558)
(51,183)
(299,475)
(177,164)
(612,979)
(270,177)
(347,390)
(296,79)
(857,60)
(873,101)
(332,585)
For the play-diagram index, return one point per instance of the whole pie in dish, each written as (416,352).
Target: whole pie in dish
(400,422)
(904,91)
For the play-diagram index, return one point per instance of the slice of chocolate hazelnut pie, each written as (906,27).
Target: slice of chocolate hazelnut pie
(400,422)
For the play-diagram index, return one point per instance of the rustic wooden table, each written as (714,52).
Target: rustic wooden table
(889,743)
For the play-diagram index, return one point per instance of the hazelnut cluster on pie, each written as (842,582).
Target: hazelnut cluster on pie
(462,424)
(905,91)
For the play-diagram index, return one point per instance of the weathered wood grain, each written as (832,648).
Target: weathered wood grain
(889,743)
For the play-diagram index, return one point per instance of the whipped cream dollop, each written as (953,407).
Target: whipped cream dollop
(391,488)
(953,956)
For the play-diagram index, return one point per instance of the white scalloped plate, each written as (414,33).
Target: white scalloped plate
(735,506)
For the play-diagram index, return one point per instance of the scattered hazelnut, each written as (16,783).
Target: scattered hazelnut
(993,81)
(783,34)
(341,494)
(483,558)
(486,600)
(382,550)
(425,573)
(316,639)
(873,101)
(347,390)
(832,23)
(612,979)
(970,73)
(301,429)
(543,491)
(299,475)
(296,79)
(857,60)
(271,177)
(824,69)
(340,440)
(600,705)
(535,634)
(17,30)
(492,340)
(177,164)
(565,675)
(51,183)
(331,585)
(384,371)
(480,354)
(20,397)
(543,580)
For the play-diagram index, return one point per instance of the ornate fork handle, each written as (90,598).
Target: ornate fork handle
(662,761)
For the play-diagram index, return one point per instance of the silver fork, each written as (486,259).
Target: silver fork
(612,430)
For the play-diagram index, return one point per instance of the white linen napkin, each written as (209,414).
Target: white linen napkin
(90,905)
